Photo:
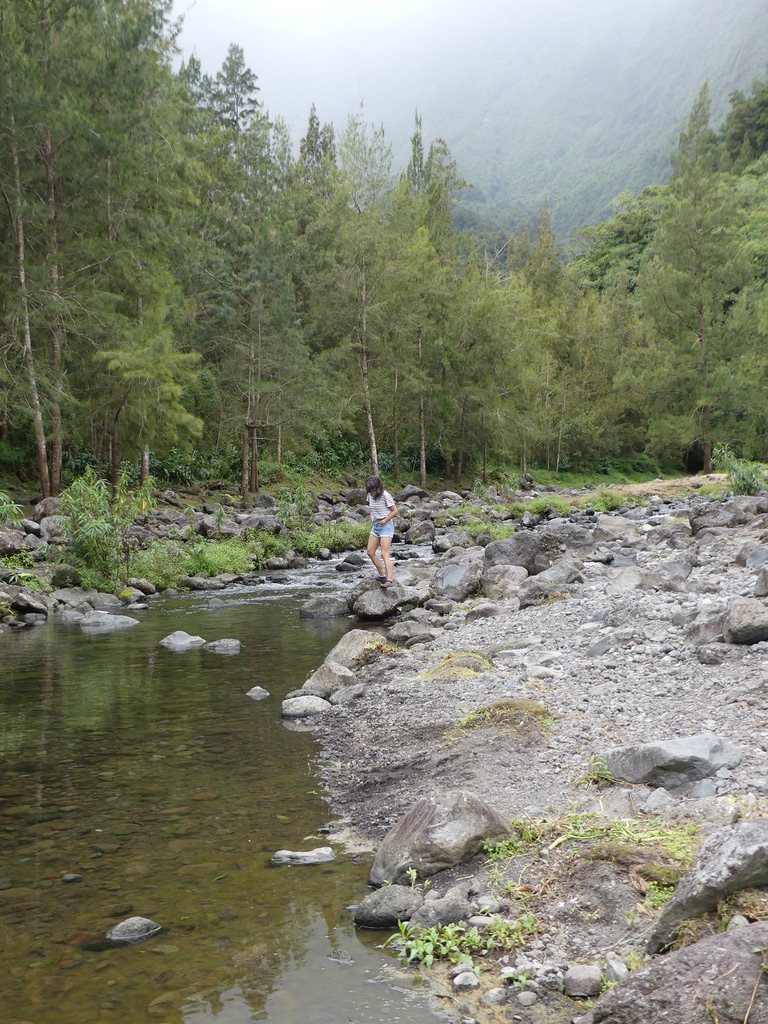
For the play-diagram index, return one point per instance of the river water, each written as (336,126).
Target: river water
(163,789)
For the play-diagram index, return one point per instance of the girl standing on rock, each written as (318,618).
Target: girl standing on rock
(383,510)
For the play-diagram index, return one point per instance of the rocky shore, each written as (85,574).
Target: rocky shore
(629,650)
(596,682)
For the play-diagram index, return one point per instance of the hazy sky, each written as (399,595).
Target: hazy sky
(294,46)
(210,25)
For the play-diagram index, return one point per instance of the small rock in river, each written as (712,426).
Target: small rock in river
(133,929)
(181,641)
(226,646)
(321,855)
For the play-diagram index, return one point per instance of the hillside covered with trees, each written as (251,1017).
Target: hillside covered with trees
(186,293)
(554,102)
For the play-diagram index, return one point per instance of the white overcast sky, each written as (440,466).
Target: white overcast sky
(293,46)
(210,25)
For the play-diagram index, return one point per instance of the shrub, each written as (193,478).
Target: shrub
(743,477)
(99,520)
(8,509)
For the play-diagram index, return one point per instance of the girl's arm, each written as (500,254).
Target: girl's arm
(392,514)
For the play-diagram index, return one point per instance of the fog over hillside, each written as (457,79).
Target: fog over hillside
(567,102)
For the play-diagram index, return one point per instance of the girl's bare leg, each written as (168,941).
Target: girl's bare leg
(373,544)
(385,544)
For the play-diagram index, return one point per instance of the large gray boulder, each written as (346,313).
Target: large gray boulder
(523,548)
(449,909)
(11,542)
(387,906)
(670,763)
(23,601)
(715,979)
(329,678)
(611,529)
(379,602)
(105,622)
(501,582)
(410,491)
(457,580)
(435,834)
(452,539)
(353,646)
(304,707)
(735,857)
(324,606)
(562,537)
(54,528)
(716,515)
(422,532)
(745,621)
(46,507)
(256,521)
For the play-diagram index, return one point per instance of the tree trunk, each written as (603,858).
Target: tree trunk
(57,330)
(395,441)
(115,459)
(144,468)
(422,432)
(254,459)
(38,426)
(244,466)
(704,415)
(363,339)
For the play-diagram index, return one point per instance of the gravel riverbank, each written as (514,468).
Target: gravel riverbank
(631,651)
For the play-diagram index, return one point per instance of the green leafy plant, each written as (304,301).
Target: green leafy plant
(657,895)
(604,500)
(457,942)
(543,505)
(295,506)
(100,518)
(597,773)
(744,477)
(8,509)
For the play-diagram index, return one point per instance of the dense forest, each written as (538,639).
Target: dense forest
(188,292)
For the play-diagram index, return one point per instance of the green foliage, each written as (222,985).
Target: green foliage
(605,500)
(295,507)
(457,943)
(265,314)
(29,580)
(99,522)
(517,715)
(597,773)
(21,560)
(543,505)
(744,477)
(334,536)
(675,840)
(8,509)
(657,895)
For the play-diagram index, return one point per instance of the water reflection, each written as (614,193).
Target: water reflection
(151,780)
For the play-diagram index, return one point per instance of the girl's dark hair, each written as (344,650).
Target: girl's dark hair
(374,487)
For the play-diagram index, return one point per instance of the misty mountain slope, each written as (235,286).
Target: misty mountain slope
(607,121)
(568,104)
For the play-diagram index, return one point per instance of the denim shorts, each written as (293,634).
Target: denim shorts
(385,530)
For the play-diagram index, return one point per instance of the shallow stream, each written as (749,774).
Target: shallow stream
(163,789)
